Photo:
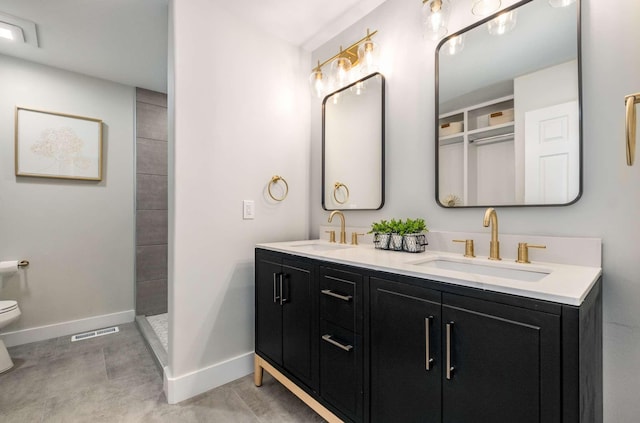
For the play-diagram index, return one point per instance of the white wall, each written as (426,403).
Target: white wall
(608,208)
(240,103)
(78,235)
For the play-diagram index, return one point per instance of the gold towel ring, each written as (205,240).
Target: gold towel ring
(274,180)
(630,103)
(336,187)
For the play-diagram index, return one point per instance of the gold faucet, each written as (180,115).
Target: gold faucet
(343,233)
(491,218)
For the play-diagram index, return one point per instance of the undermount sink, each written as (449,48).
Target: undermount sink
(496,269)
(319,246)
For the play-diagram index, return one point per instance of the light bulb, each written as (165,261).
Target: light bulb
(316,83)
(454,45)
(485,7)
(368,57)
(435,16)
(504,23)
(340,75)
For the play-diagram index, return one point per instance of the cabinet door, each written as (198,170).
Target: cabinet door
(505,363)
(341,369)
(406,365)
(299,322)
(268,309)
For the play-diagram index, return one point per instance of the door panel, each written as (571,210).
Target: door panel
(552,152)
(341,380)
(404,321)
(268,310)
(297,321)
(511,350)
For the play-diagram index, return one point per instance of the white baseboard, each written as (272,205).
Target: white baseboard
(41,333)
(184,387)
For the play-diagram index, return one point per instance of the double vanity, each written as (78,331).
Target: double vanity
(366,335)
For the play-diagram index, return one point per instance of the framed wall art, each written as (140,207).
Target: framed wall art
(58,145)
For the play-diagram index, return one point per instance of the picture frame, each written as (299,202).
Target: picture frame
(57,145)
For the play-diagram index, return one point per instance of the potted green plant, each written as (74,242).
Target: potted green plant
(398,229)
(381,234)
(414,238)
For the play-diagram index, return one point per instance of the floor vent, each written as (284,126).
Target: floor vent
(94,333)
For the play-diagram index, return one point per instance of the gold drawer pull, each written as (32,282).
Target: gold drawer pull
(330,340)
(450,368)
(336,295)
(427,335)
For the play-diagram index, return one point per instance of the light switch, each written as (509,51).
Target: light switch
(248,209)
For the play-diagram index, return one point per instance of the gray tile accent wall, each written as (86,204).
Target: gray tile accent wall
(151,97)
(151,157)
(151,192)
(151,121)
(152,262)
(151,202)
(151,297)
(151,227)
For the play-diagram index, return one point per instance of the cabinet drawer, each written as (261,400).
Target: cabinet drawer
(341,370)
(340,298)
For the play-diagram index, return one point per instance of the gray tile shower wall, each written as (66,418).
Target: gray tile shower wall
(151,202)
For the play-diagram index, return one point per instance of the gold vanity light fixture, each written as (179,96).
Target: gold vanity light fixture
(503,23)
(484,7)
(361,55)
(435,16)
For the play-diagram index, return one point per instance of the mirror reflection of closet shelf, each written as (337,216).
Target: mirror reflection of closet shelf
(477,163)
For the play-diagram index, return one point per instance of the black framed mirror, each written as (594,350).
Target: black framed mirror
(508,106)
(353,146)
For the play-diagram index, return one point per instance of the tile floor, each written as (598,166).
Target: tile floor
(113,378)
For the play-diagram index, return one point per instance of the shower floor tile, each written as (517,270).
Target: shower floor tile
(160,325)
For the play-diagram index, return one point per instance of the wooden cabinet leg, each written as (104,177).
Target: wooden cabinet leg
(258,371)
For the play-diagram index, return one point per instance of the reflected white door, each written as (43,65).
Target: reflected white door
(552,154)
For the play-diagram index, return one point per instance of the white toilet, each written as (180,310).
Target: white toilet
(9,312)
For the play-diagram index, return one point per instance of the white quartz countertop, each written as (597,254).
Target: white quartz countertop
(560,283)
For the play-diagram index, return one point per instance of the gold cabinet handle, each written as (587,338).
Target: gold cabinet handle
(274,180)
(427,336)
(468,247)
(630,132)
(282,298)
(336,295)
(276,297)
(330,340)
(336,187)
(450,368)
(523,251)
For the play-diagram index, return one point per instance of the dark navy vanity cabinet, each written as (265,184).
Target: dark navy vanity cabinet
(381,347)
